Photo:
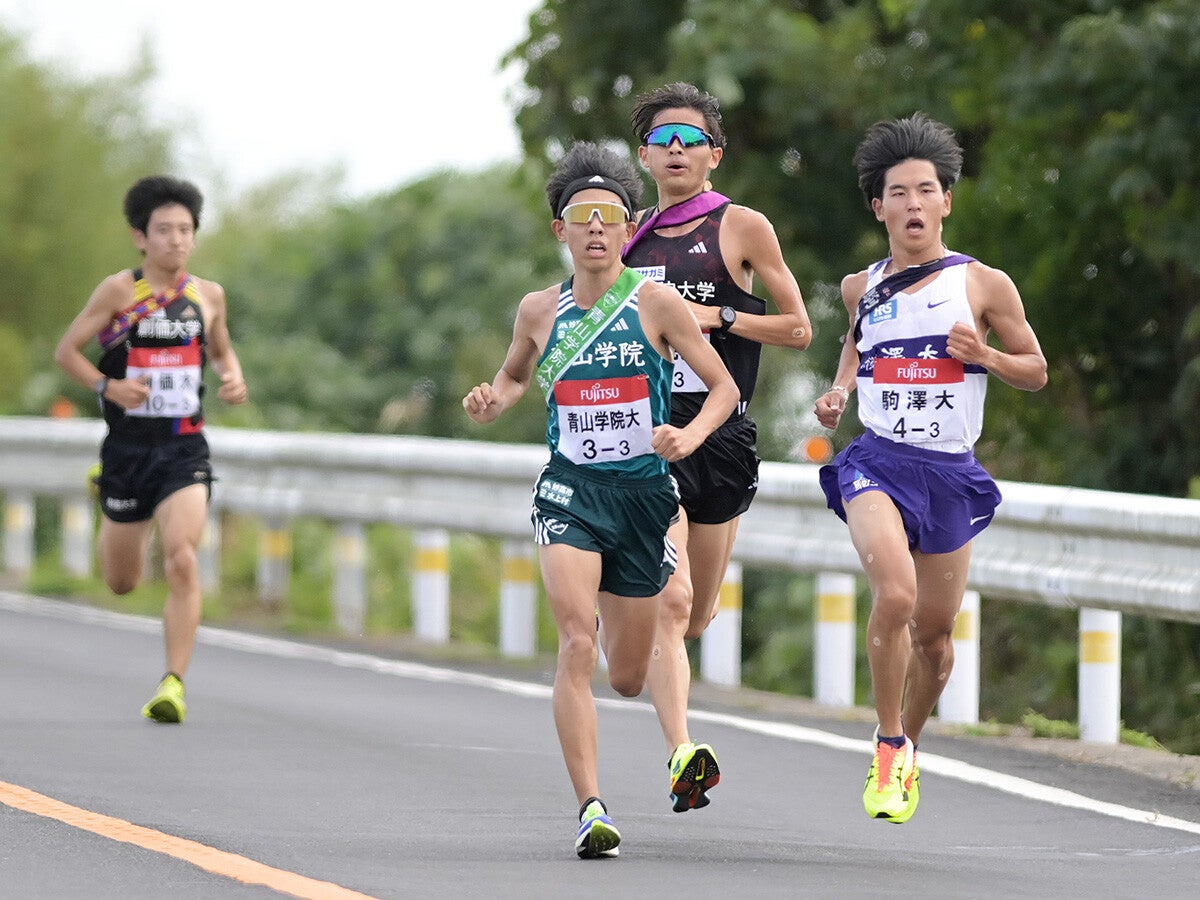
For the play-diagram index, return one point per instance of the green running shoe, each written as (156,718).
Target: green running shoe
(694,772)
(892,772)
(597,836)
(167,703)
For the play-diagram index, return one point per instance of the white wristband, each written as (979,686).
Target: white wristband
(838,387)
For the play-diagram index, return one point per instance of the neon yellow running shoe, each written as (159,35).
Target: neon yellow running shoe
(694,772)
(167,703)
(913,788)
(597,835)
(885,795)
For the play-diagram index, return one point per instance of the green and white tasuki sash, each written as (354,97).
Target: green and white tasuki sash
(584,331)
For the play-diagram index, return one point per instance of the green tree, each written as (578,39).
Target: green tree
(70,152)
(1078,123)
(379,316)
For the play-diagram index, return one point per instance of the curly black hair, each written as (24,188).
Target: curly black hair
(156,191)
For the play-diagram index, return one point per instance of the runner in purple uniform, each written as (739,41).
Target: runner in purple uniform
(910,488)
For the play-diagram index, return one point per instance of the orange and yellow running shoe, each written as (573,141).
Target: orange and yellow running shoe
(892,774)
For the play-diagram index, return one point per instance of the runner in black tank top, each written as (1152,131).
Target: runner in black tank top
(693,264)
(712,258)
(157,327)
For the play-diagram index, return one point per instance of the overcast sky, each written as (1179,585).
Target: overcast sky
(389,89)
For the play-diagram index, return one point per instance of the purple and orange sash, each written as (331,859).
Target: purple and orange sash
(145,303)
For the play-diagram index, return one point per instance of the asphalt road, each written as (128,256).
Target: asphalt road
(318,771)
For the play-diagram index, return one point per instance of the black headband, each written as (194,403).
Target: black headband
(593,181)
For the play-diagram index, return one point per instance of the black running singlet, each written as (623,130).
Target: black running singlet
(167,349)
(693,264)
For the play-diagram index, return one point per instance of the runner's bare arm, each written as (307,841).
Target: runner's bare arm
(998,308)
(221,354)
(486,401)
(112,295)
(753,239)
(832,403)
(670,318)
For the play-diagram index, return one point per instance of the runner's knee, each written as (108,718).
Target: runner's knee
(120,583)
(933,645)
(628,683)
(675,603)
(893,604)
(180,561)
(577,648)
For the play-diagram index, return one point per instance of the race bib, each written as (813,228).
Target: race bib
(604,420)
(173,375)
(922,399)
(684,379)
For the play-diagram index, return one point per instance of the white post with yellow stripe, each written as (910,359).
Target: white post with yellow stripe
(721,643)
(1099,675)
(834,640)
(518,599)
(208,555)
(274,561)
(431,586)
(18,535)
(350,577)
(959,702)
(78,526)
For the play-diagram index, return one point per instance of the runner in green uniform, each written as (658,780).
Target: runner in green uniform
(600,346)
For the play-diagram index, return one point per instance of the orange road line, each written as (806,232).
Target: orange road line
(229,865)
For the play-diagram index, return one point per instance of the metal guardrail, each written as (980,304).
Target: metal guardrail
(1061,546)
(1105,553)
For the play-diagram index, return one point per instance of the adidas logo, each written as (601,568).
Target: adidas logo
(698,248)
(619,325)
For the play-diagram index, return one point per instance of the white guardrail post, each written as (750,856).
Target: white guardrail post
(350,577)
(834,640)
(721,643)
(78,524)
(1099,676)
(959,702)
(274,561)
(208,555)
(18,534)
(431,586)
(518,599)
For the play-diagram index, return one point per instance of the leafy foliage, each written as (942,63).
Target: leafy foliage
(391,310)
(1077,121)
(70,152)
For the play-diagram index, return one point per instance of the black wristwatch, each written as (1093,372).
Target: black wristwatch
(728,317)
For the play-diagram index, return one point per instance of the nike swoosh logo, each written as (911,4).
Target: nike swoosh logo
(931,304)
(977,518)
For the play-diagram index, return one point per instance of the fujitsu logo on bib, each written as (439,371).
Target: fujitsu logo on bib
(602,392)
(598,392)
(165,357)
(918,371)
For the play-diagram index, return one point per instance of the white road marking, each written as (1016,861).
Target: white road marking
(277,647)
